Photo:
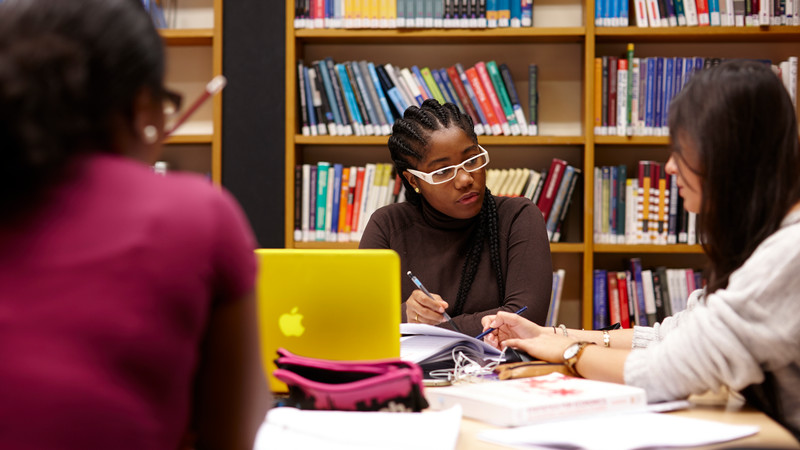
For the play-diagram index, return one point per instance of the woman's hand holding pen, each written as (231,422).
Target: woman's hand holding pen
(515,331)
(423,309)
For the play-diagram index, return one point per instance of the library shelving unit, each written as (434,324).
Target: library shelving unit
(194,56)
(563,42)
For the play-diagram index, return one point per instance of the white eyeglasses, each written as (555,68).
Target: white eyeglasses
(446,174)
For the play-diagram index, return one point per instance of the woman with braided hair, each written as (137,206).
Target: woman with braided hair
(478,254)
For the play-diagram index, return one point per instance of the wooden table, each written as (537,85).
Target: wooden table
(771,434)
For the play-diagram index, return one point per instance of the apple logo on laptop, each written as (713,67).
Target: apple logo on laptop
(290,325)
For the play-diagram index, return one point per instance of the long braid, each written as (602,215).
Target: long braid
(487,227)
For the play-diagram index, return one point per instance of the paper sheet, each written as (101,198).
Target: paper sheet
(290,428)
(620,432)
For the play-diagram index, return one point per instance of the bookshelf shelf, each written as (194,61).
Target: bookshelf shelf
(187,36)
(701,34)
(640,248)
(487,140)
(631,140)
(417,36)
(190,139)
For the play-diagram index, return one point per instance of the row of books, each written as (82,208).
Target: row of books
(363,98)
(550,189)
(638,296)
(632,95)
(641,209)
(333,202)
(413,13)
(674,13)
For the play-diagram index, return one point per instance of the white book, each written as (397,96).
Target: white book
(653,14)
(649,296)
(526,401)
(634,88)
(491,176)
(691,229)
(640,8)
(533,180)
(789,75)
(764,10)
(399,82)
(690,9)
(375,192)
(729,12)
(622,97)
(522,178)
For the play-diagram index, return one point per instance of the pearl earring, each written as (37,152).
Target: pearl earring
(150,134)
(416,189)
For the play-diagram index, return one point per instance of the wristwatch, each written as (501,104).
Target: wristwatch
(573,353)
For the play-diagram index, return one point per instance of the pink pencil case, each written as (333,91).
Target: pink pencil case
(380,385)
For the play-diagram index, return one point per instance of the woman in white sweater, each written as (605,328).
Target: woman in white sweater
(735,153)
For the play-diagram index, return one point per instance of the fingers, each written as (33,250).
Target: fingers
(422,309)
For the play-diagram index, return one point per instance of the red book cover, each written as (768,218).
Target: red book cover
(486,106)
(463,97)
(357,199)
(613,298)
(483,75)
(624,308)
(703,18)
(554,176)
(612,92)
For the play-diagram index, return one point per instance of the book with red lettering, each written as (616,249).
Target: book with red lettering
(525,401)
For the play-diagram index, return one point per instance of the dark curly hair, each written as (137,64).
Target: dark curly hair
(68,79)
(408,145)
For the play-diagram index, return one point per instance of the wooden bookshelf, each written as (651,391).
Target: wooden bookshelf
(564,40)
(194,56)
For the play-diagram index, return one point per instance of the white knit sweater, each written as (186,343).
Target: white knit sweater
(731,337)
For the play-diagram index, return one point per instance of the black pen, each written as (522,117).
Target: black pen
(419,285)
(492,329)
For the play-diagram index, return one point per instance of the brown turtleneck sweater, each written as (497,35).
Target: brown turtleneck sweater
(431,245)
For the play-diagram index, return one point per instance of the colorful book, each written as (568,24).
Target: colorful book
(505,102)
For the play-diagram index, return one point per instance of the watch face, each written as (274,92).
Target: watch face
(571,351)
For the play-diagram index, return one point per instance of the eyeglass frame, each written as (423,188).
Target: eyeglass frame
(428,177)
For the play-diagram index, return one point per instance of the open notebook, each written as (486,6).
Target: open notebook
(433,347)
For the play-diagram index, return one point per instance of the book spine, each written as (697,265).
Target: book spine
(598,96)
(339,99)
(622,97)
(298,203)
(533,99)
(357,201)
(382,125)
(614,312)
(622,294)
(376,84)
(332,203)
(344,194)
(621,183)
(312,204)
(612,95)
(465,82)
(516,105)
(352,109)
(494,101)
(558,202)
(433,88)
(305,129)
(322,199)
(505,102)
(483,100)
(445,88)
(554,176)
(322,68)
(464,98)
(416,73)
(600,299)
(565,207)
(372,124)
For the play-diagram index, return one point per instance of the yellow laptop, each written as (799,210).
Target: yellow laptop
(332,304)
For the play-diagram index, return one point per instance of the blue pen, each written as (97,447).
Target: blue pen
(492,329)
(423,289)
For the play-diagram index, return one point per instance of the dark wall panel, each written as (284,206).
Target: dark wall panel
(253,121)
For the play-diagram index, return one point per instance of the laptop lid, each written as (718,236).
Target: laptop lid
(331,304)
